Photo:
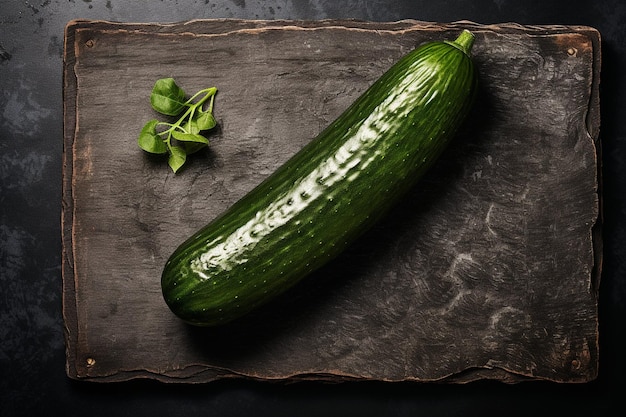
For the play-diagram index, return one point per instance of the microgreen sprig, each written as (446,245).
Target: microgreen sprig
(182,137)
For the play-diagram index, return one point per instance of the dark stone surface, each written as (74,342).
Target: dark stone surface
(32,356)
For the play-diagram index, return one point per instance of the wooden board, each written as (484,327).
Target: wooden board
(488,269)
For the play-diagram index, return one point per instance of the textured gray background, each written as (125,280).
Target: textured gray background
(32,376)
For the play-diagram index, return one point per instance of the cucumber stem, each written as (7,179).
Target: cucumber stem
(465,41)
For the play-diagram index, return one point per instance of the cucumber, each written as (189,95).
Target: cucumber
(327,194)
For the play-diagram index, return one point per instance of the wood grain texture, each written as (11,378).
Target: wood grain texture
(489,269)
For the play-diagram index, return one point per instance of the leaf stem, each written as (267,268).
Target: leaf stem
(208,92)
(210,110)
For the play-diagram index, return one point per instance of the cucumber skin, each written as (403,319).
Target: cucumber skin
(326,195)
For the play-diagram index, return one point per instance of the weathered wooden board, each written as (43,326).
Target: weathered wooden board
(489,268)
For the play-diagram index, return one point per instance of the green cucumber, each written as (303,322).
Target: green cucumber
(327,194)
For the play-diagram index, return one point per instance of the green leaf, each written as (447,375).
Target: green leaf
(177,158)
(167,97)
(148,139)
(150,127)
(191,126)
(189,137)
(192,147)
(183,137)
(205,120)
